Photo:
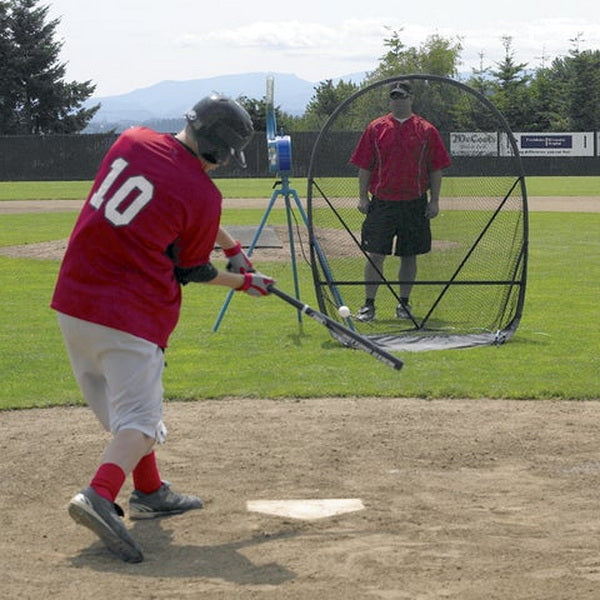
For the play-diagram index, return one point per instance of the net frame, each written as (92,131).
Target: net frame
(422,332)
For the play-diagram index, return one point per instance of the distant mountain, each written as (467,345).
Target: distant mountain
(168,100)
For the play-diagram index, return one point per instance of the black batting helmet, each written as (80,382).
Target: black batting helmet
(221,128)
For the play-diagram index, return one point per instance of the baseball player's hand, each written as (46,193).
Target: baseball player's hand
(238,260)
(432,209)
(256,284)
(363,206)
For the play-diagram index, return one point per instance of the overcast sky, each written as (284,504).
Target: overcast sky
(122,45)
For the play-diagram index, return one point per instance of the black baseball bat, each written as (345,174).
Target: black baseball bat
(346,336)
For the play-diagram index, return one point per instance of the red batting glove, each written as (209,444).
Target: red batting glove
(256,284)
(238,260)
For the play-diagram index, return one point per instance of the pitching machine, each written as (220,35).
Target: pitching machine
(280,163)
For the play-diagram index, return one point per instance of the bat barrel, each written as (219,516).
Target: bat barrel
(344,335)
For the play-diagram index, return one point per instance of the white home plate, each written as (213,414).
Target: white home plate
(306,509)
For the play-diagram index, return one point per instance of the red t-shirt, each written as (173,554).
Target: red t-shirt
(150,193)
(400,156)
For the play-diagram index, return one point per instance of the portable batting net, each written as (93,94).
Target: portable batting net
(470,288)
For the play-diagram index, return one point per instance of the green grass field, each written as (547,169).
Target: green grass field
(261,188)
(260,349)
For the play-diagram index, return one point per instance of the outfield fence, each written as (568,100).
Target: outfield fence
(77,157)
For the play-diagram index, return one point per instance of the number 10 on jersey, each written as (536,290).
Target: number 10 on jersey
(124,203)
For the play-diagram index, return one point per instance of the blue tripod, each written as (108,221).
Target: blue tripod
(282,189)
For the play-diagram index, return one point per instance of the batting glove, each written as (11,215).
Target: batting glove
(238,260)
(256,284)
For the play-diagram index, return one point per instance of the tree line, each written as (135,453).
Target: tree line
(561,96)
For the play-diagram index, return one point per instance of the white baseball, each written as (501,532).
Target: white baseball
(344,311)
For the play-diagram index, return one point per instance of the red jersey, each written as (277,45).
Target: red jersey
(400,156)
(150,193)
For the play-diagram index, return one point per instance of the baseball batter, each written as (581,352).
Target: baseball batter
(148,226)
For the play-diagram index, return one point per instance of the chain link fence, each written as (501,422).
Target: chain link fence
(77,157)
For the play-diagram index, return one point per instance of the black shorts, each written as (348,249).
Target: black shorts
(404,221)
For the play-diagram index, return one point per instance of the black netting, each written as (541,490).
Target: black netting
(470,287)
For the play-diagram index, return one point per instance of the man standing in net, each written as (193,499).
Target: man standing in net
(148,226)
(400,156)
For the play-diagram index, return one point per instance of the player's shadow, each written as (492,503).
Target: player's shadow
(164,559)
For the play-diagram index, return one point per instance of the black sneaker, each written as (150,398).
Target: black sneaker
(403,311)
(161,503)
(103,517)
(366,313)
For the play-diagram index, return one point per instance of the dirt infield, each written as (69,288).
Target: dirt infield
(545,203)
(464,500)
(56,248)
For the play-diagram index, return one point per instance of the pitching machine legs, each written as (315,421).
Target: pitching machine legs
(287,193)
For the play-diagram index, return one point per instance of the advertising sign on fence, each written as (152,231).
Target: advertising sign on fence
(474,143)
(550,144)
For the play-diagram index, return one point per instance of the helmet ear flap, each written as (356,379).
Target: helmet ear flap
(235,139)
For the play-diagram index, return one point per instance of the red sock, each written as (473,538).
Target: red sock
(108,481)
(146,477)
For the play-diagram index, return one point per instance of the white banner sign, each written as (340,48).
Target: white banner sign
(474,143)
(550,144)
